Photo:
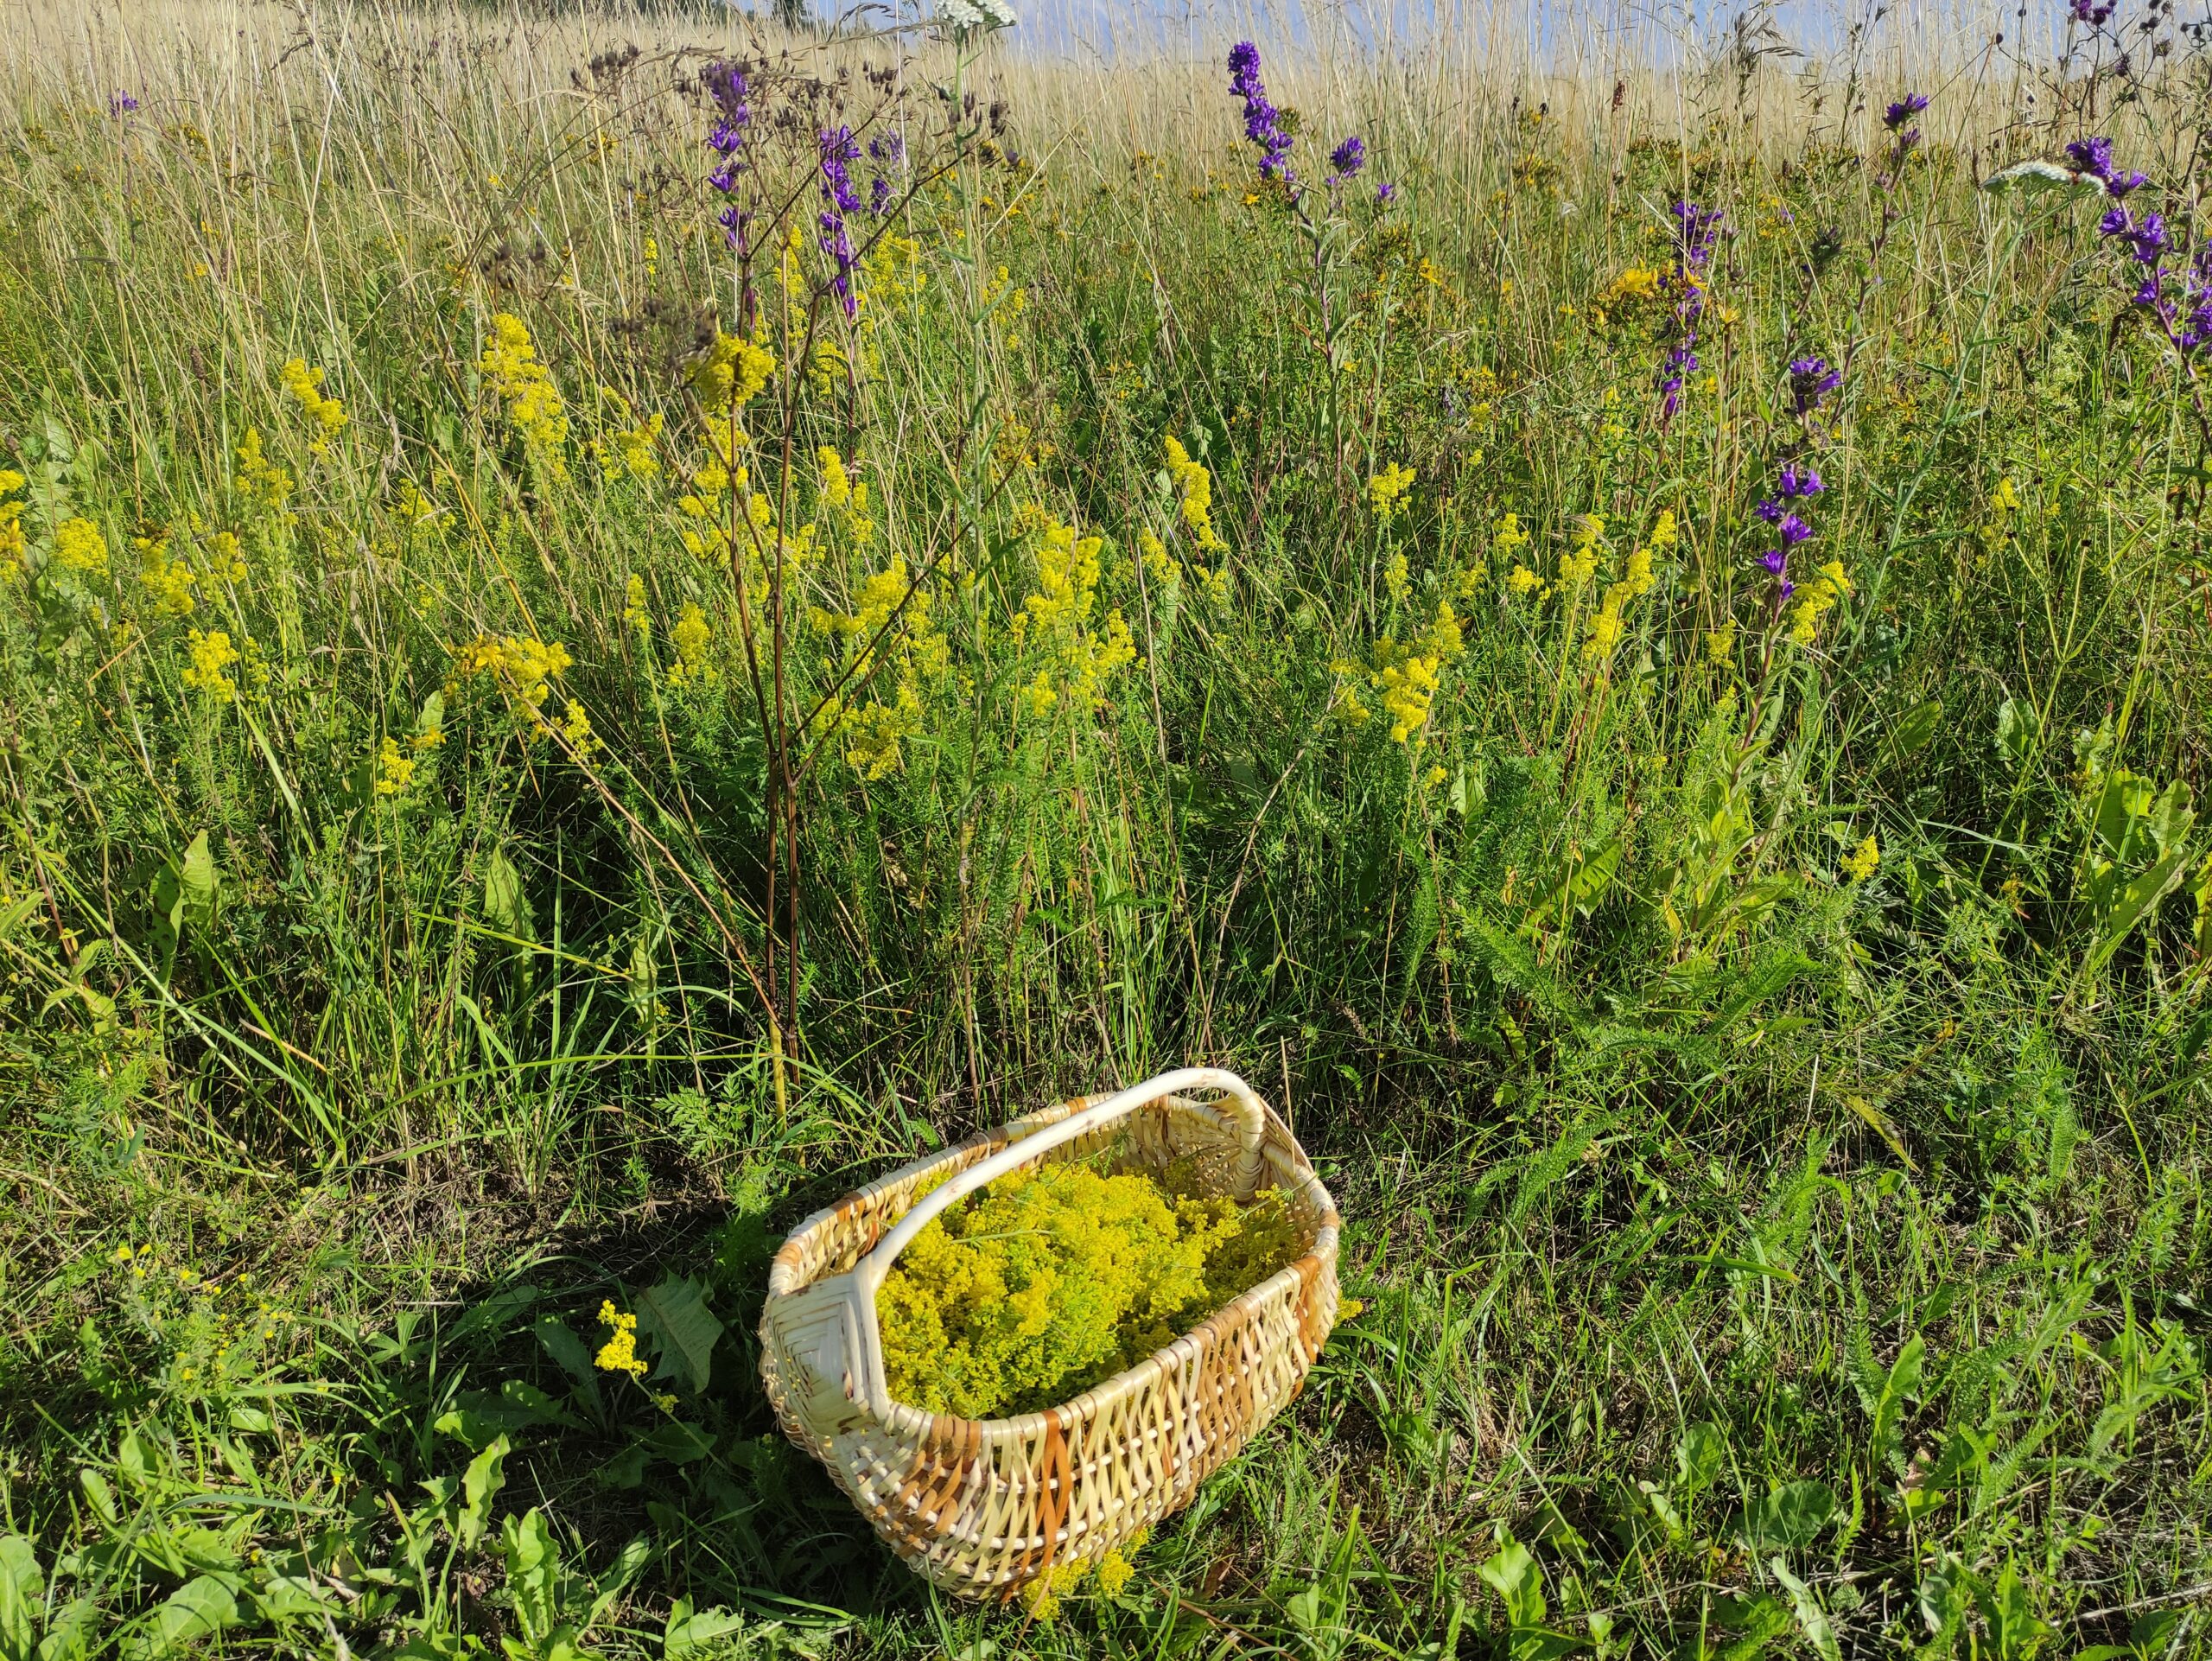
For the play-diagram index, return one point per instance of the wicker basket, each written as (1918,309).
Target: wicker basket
(983,1507)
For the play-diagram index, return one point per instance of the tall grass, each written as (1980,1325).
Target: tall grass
(1758,1053)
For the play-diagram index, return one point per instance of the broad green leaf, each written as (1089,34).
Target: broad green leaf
(1698,1456)
(1909,732)
(689,1633)
(2018,732)
(506,906)
(533,1559)
(675,1315)
(196,1609)
(21,1590)
(1792,1516)
(1519,1583)
(198,883)
(480,1484)
(1812,1619)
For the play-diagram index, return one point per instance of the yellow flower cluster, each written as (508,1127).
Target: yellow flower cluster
(1058,613)
(1196,485)
(877,732)
(395,770)
(1816,599)
(1638,282)
(305,385)
(731,374)
(846,495)
(1387,492)
(1636,582)
(619,1353)
(209,657)
(691,636)
(12,524)
(1054,1280)
(629,450)
(258,477)
(169,581)
(1581,563)
(1859,864)
(1111,1573)
(79,547)
(1407,675)
(524,389)
(523,667)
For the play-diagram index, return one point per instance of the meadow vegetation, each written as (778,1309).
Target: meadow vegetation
(610,623)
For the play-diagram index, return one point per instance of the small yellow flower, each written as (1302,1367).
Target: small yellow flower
(305,385)
(1386,492)
(1859,864)
(394,770)
(1196,485)
(619,1353)
(80,546)
(211,655)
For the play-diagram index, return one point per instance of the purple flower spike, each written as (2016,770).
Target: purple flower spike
(121,104)
(1775,560)
(1904,111)
(2092,156)
(1385,193)
(2149,239)
(1801,481)
(1811,380)
(838,150)
(1349,157)
(725,84)
(1262,121)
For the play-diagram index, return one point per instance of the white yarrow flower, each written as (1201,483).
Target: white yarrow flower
(2044,175)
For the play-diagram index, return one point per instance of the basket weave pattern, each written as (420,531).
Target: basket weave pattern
(983,1507)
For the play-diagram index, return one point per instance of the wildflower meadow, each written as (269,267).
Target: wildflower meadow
(617,617)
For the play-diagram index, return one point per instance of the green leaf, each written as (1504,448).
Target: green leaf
(1792,1516)
(1698,1456)
(1909,733)
(2015,1632)
(533,1562)
(506,906)
(22,1588)
(689,1633)
(675,1315)
(1514,1575)
(1903,1381)
(480,1484)
(1812,1619)
(2018,732)
(198,883)
(193,1611)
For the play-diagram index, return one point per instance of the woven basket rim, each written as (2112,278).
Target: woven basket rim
(1294,1164)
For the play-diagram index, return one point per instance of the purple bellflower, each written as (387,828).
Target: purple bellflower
(838,152)
(1262,121)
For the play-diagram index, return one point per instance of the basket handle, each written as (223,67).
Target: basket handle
(1251,1117)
